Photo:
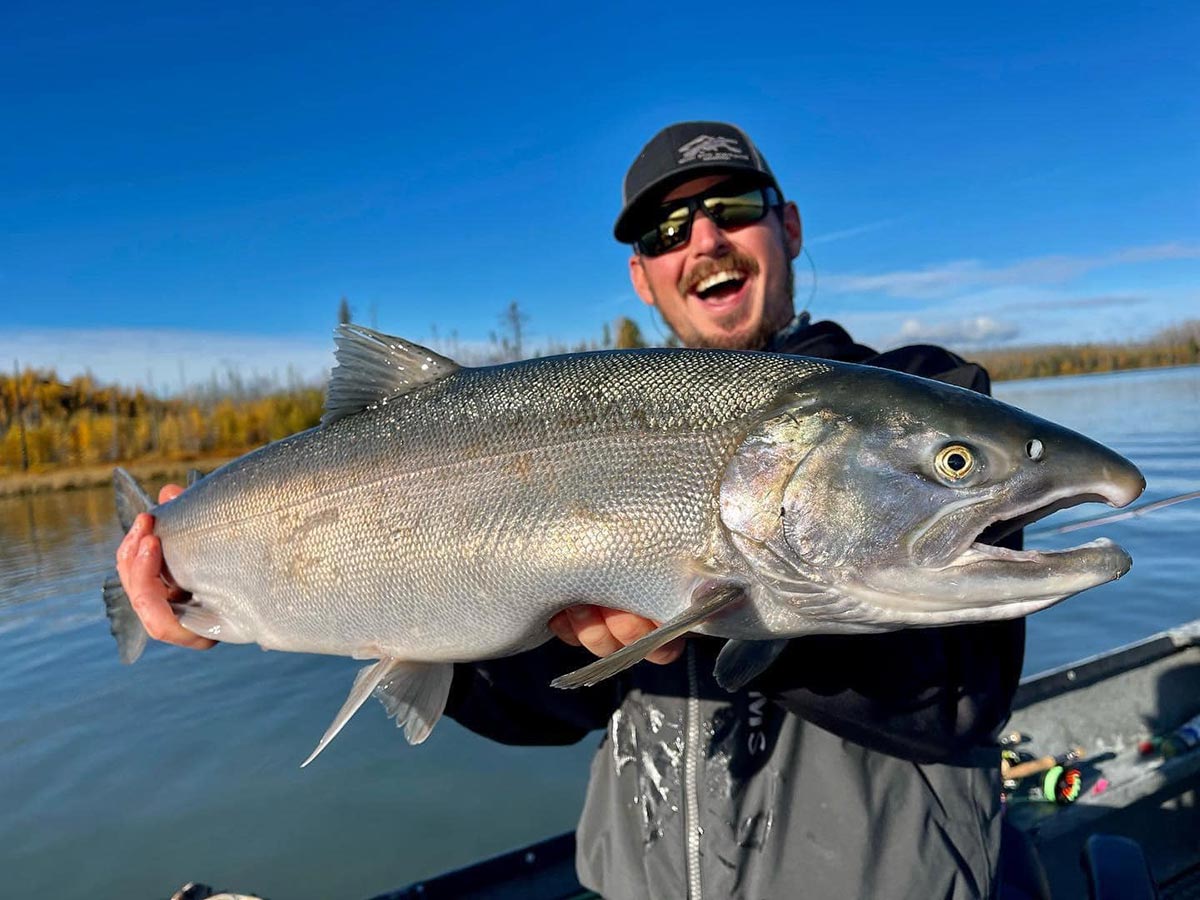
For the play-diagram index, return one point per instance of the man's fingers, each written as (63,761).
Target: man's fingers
(603,631)
(668,652)
(141,527)
(560,625)
(140,565)
(591,629)
(628,627)
(149,598)
(169,492)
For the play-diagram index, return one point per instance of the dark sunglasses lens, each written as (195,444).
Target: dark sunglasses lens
(674,226)
(741,209)
(671,231)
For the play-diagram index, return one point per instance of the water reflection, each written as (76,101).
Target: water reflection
(51,539)
(1115,407)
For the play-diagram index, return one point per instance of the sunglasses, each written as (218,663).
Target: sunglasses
(727,206)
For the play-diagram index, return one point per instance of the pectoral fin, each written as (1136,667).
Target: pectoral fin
(740,661)
(709,599)
(413,693)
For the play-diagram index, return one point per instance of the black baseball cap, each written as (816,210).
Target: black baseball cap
(679,153)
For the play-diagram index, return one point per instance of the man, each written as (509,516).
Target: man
(859,766)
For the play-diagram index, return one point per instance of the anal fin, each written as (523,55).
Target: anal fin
(709,599)
(413,693)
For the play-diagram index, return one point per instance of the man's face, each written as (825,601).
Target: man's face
(724,289)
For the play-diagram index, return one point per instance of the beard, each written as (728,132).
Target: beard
(756,339)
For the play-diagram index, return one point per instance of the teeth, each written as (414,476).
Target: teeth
(719,278)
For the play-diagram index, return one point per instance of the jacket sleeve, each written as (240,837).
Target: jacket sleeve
(930,694)
(510,700)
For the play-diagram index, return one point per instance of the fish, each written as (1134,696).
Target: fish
(441,513)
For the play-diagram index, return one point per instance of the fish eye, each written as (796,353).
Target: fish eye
(954,462)
(1034,449)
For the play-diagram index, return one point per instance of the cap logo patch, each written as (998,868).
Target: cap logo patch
(706,148)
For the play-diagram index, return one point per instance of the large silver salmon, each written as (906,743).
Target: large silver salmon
(443,514)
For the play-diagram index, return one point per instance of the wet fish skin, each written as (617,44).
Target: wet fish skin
(441,514)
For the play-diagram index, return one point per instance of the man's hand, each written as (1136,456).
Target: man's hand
(604,631)
(145,579)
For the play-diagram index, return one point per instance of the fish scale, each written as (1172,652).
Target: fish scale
(584,465)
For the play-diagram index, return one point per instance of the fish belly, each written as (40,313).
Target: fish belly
(467,559)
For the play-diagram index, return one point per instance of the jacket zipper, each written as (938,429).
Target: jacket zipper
(691,766)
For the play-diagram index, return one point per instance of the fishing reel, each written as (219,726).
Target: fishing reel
(1045,779)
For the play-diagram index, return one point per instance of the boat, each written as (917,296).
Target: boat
(1128,829)
(1113,705)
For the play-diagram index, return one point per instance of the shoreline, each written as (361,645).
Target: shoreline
(83,477)
(1101,372)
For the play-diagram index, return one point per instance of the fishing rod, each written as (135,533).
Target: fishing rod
(1115,517)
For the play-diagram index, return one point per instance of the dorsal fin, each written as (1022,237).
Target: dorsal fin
(373,367)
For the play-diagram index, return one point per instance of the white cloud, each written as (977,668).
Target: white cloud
(172,360)
(1028,315)
(1100,302)
(168,359)
(951,278)
(972,332)
(830,236)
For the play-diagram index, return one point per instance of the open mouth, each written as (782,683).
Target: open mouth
(1000,529)
(720,285)
(1101,552)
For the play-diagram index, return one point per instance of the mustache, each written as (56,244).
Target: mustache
(736,261)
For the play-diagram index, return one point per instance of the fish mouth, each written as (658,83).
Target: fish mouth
(1103,556)
(999,528)
(981,576)
(1118,487)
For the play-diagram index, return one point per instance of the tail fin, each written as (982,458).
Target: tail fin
(123,621)
(126,627)
(131,499)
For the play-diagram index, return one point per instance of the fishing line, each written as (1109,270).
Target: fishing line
(812,266)
(1115,517)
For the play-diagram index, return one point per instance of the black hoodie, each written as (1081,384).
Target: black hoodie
(855,766)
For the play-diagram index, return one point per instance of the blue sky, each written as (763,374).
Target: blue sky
(190,187)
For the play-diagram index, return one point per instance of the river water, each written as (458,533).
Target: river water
(121,781)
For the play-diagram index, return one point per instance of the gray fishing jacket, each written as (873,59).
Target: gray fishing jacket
(854,767)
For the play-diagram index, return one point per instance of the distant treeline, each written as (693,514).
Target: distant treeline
(48,424)
(1178,345)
